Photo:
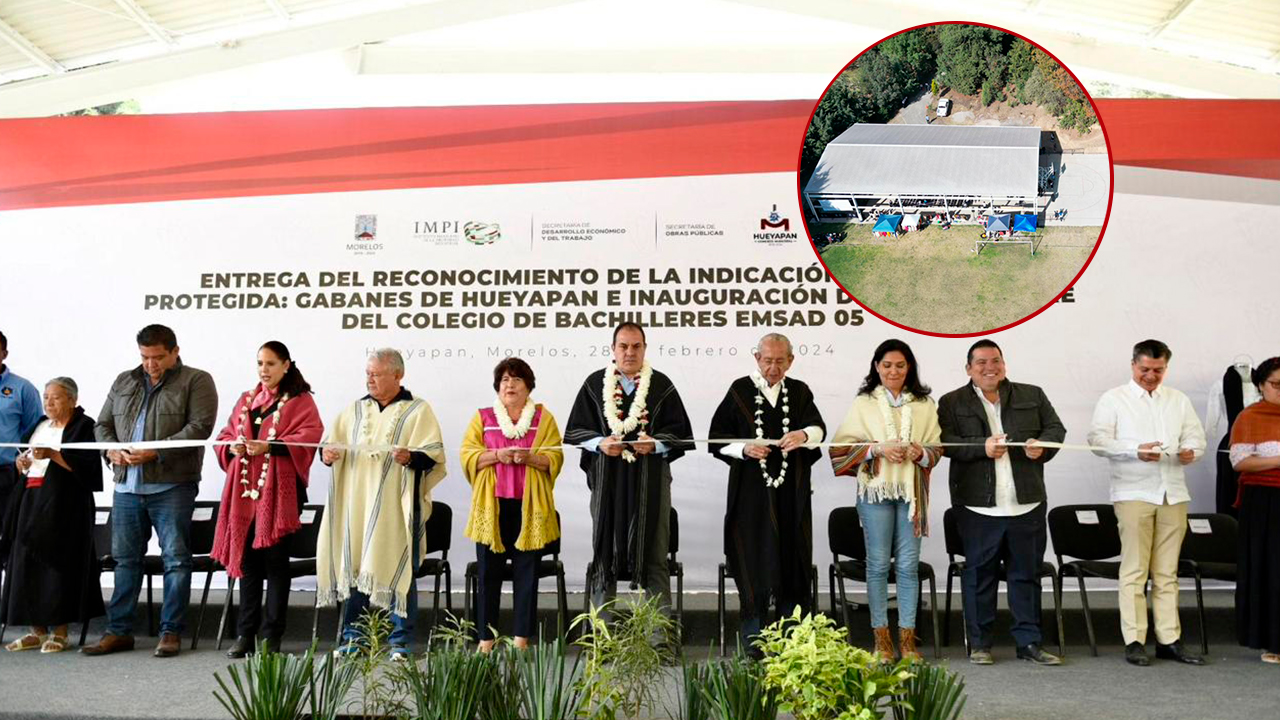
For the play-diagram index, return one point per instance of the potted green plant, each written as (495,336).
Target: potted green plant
(819,676)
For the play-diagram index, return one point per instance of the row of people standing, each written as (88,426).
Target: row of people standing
(631,425)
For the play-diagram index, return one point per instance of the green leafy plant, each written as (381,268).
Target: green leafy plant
(819,676)
(331,678)
(735,690)
(448,683)
(380,693)
(548,686)
(693,705)
(624,659)
(267,686)
(932,693)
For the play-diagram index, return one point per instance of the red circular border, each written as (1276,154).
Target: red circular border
(1111,189)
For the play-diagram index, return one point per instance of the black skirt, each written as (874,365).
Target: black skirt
(53,576)
(1258,574)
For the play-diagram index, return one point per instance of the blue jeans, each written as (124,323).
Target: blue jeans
(889,532)
(132,518)
(401,627)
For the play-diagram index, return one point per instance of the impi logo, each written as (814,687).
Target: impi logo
(482,233)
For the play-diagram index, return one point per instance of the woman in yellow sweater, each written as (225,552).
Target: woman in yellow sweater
(511,456)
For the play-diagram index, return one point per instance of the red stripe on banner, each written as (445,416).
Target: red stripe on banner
(1223,137)
(50,162)
(95,160)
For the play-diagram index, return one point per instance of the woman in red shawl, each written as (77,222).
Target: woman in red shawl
(1255,454)
(265,491)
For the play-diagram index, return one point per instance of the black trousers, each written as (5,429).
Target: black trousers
(1019,541)
(491,571)
(270,564)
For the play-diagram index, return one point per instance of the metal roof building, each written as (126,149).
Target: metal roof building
(926,165)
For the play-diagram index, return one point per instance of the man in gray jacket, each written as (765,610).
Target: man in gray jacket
(161,399)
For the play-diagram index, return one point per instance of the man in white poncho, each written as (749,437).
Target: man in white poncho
(371,536)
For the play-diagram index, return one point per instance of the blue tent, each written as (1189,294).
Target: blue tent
(888,223)
(998,223)
(1025,222)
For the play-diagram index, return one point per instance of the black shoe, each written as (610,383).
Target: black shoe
(271,645)
(1136,654)
(1038,655)
(241,647)
(1175,651)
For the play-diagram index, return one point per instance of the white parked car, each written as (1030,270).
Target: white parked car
(944,107)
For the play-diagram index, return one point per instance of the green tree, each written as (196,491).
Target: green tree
(915,50)
(885,80)
(969,55)
(842,106)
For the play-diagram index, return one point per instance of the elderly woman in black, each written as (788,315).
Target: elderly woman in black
(53,570)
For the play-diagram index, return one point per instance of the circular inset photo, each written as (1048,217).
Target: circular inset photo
(955,179)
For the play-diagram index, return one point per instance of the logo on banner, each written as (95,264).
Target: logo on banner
(775,221)
(365,241)
(482,233)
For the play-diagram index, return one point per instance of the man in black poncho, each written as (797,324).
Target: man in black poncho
(768,521)
(631,425)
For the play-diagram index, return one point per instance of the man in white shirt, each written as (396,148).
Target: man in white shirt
(1149,432)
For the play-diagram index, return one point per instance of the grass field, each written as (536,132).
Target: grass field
(931,279)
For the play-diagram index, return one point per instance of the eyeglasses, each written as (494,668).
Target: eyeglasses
(1275,384)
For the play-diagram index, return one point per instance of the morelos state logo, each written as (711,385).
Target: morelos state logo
(365,237)
(775,222)
(481,233)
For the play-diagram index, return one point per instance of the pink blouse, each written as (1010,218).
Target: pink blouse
(510,483)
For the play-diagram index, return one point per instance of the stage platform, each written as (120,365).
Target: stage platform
(1234,684)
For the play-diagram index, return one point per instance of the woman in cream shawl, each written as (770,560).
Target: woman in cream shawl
(897,425)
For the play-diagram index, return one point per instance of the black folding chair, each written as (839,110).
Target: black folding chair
(204,520)
(727,574)
(1209,550)
(1091,534)
(845,538)
(302,563)
(955,568)
(675,569)
(438,537)
(547,567)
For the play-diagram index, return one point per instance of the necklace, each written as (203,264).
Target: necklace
(903,427)
(521,426)
(770,480)
(637,416)
(250,491)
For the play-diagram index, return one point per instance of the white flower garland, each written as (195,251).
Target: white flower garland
(369,423)
(769,480)
(250,491)
(903,433)
(611,395)
(521,426)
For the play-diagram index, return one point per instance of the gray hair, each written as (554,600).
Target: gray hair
(774,337)
(66,383)
(391,358)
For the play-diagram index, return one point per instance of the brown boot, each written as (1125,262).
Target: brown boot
(109,644)
(169,645)
(907,645)
(884,645)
